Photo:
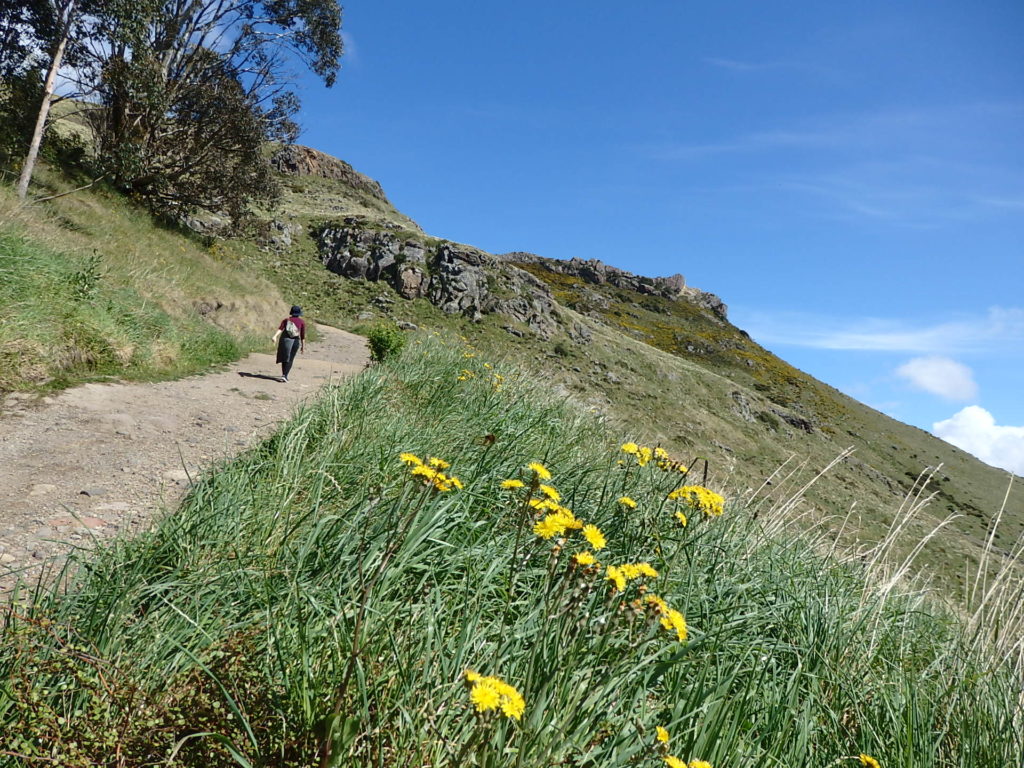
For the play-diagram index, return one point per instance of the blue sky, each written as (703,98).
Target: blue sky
(849,178)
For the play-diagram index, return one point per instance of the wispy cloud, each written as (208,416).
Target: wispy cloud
(913,167)
(940,376)
(1000,330)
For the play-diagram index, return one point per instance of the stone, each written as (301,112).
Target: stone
(42,489)
(405,325)
(92,492)
(6,558)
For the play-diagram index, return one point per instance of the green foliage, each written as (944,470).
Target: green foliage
(317,583)
(64,320)
(386,340)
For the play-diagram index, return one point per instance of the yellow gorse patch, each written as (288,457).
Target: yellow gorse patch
(492,693)
(700,498)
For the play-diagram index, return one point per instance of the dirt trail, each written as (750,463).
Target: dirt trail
(102,458)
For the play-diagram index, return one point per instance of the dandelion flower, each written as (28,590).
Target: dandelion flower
(662,735)
(437,463)
(868,761)
(700,498)
(584,558)
(681,517)
(627,502)
(472,677)
(456,482)
(410,458)
(673,762)
(484,697)
(643,455)
(616,576)
(545,505)
(700,764)
(593,535)
(550,492)
(510,484)
(673,619)
(549,527)
(539,470)
(630,448)
(660,453)
(491,693)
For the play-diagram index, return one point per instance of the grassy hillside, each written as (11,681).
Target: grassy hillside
(680,376)
(325,600)
(90,287)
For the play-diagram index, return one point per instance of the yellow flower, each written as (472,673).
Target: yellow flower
(700,764)
(539,470)
(573,523)
(673,762)
(421,470)
(593,535)
(484,697)
(660,605)
(660,453)
(472,676)
(438,463)
(643,456)
(681,517)
(700,498)
(456,482)
(490,693)
(673,619)
(627,502)
(584,558)
(616,576)
(410,458)
(550,492)
(510,484)
(662,735)
(550,526)
(646,570)
(630,448)
(868,761)
(545,505)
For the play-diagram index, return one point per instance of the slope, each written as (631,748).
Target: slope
(660,360)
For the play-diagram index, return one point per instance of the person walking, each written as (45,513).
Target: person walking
(290,339)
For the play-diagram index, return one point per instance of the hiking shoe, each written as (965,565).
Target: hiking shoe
(283,379)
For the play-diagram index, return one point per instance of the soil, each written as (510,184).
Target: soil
(83,465)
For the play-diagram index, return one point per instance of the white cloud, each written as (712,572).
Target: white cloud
(1000,330)
(975,430)
(941,376)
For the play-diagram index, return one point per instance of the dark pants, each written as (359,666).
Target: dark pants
(287,348)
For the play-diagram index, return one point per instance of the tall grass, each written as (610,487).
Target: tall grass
(316,603)
(63,320)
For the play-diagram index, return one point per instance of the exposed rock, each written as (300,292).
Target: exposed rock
(457,279)
(298,160)
(742,405)
(598,273)
(794,420)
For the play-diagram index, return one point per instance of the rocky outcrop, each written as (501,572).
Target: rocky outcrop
(297,160)
(598,273)
(458,279)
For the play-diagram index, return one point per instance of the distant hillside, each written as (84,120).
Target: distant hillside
(657,357)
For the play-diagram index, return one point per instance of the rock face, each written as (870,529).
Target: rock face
(456,278)
(597,273)
(298,160)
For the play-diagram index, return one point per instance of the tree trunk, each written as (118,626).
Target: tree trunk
(44,107)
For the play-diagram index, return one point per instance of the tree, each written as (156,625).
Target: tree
(192,91)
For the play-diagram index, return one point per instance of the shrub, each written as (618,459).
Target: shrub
(386,341)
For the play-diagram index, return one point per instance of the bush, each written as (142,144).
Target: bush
(386,341)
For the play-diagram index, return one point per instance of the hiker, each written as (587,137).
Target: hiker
(290,339)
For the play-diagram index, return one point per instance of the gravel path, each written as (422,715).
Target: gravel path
(83,464)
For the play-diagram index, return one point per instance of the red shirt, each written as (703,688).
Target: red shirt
(299,322)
